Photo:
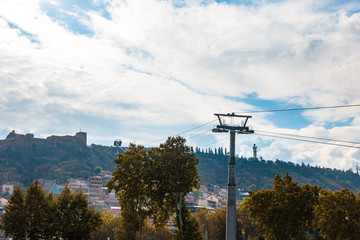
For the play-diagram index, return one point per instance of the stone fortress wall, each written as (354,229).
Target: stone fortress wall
(80,139)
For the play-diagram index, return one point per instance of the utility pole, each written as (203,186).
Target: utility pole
(231,202)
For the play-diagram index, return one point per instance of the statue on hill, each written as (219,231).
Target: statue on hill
(254,152)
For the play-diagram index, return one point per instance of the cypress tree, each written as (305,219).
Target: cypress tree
(13,220)
(36,210)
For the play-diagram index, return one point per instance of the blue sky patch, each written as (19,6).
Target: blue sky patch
(335,5)
(285,119)
(343,123)
(352,12)
(28,35)
(70,13)
(247,2)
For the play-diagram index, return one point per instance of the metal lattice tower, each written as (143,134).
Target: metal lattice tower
(231,203)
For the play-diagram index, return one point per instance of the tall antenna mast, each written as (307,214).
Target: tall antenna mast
(231,203)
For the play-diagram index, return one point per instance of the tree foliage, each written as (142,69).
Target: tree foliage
(172,174)
(284,211)
(190,228)
(52,216)
(154,184)
(76,220)
(217,225)
(246,229)
(109,223)
(27,162)
(13,220)
(36,209)
(128,182)
(213,223)
(260,172)
(159,233)
(40,216)
(337,215)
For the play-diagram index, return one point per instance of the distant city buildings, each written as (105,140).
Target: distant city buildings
(209,197)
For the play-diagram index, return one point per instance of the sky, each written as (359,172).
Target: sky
(143,70)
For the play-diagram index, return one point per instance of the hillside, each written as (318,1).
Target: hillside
(213,169)
(63,161)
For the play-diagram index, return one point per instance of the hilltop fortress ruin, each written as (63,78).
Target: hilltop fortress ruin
(80,139)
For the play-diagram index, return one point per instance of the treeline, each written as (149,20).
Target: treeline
(25,163)
(36,215)
(59,162)
(258,173)
(290,211)
(216,151)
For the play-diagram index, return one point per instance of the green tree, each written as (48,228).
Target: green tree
(246,229)
(157,188)
(98,170)
(217,225)
(203,215)
(128,182)
(171,173)
(76,221)
(337,215)
(107,230)
(13,220)
(213,223)
(150,232)
(285,211)
(36,210)
(190,228)
(51,229)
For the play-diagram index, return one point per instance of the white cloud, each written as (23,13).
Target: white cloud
(167,68)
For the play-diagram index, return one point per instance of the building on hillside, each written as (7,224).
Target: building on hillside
(100,205)
(115,210)
(106,176)
(45,184)
(54,190)
(107,204)
(84,189)
(78,182)
(190,200)
(204,192)
(112,194)
(112,202)
(7,190)
(210,202)
(243,194)
(95,188)
(222,192)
